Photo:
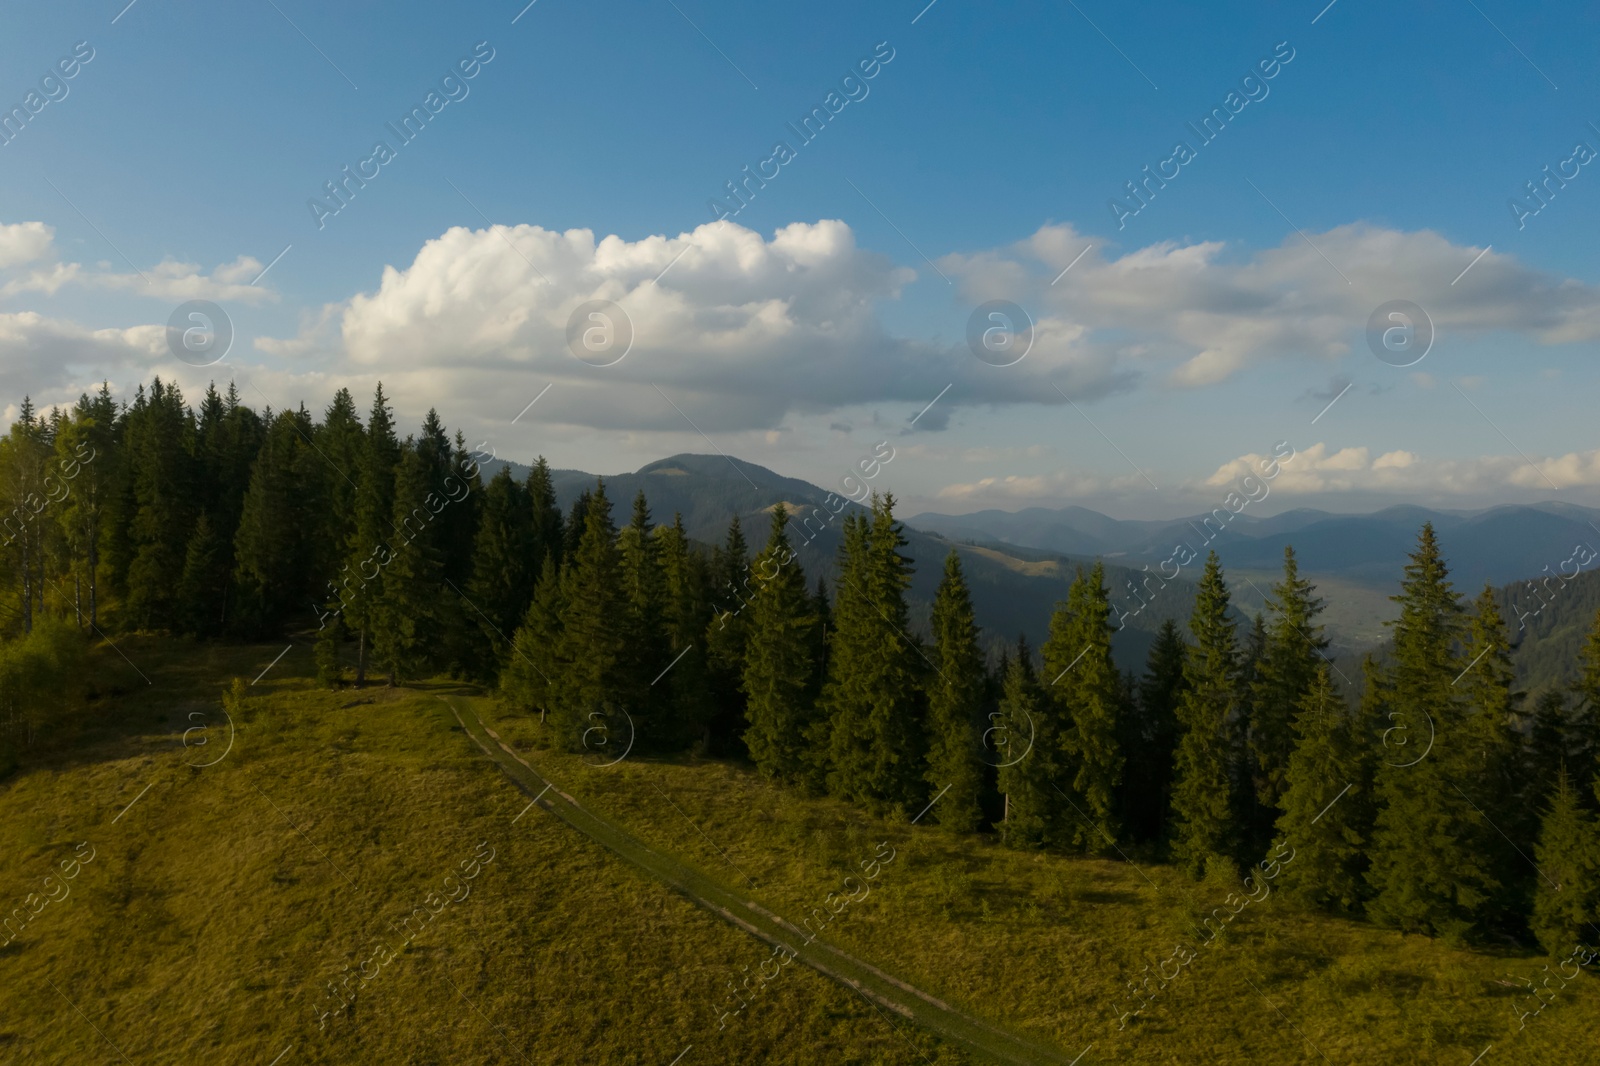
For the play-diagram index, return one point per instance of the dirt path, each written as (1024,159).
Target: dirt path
(879,988)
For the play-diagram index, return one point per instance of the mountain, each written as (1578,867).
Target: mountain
(1014,589)
(1493,546)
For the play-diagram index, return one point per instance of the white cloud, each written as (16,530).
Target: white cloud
(1051,489)
(1318,469)
(53,360)
(172,280)
(24,242)
(1206,317)
(32,244)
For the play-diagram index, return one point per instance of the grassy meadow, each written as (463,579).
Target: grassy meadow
(221,900)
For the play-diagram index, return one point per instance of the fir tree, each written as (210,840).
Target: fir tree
(1583,729)
(777,669)
(545,518)
(1085,695)
(1566,903)
(1320,801)
(955,704)
(1150,735)
(1021,738)
(592,635)
(160,453)
(725,640)
(405,620)
(873,693)
(534,669)
(1293,650)
(356,590)
(1480,758)
(275,544)
(687,613)
(205,580)
(1424,875)
(646,653)
(502,585)
(1201,800)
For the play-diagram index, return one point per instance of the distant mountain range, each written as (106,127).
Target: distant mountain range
(1494,546)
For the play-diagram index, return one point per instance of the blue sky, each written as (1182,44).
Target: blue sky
(1219,319)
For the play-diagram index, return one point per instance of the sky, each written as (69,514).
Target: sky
(1115,256)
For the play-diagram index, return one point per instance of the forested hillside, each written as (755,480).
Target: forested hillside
(619,632)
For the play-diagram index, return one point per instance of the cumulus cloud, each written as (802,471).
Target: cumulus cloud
(738,329)
(1320,469)
(24,242)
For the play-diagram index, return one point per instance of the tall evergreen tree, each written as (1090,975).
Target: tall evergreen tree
(1583,729)
(160,442)
(406,620)
(1481,759)
(726,636)
(1201,794)
(1022,739)
(534,669)
(1293,650)
(687,613)
(544,517)
(644,636)
(777,668)
(1566,902)
(275,546)
(1425,874)
(1150,737)
(1085,694)
(955,704)
(592,634)
(502,585)
(356,590)
(873,696)
(1322,795)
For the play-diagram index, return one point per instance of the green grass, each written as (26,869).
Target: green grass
(221,902)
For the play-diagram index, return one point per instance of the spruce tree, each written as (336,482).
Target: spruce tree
(1322,795)
(1583,728)
(686,685)
(1150,737)
(1293,650)
(1021,738)
(1201,796)
(1566,902)
(502,585)
(160,446)
(593,648)
(777,669)
(339,442)
(725,641)
(355,590)
(955,704)
(1085,695)
(534,669)
(1426,875)
(874,698)
(1547,749)
(1481,759)
(275,546)
(205,580)
(545,518)
(646,651)
(407,620)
